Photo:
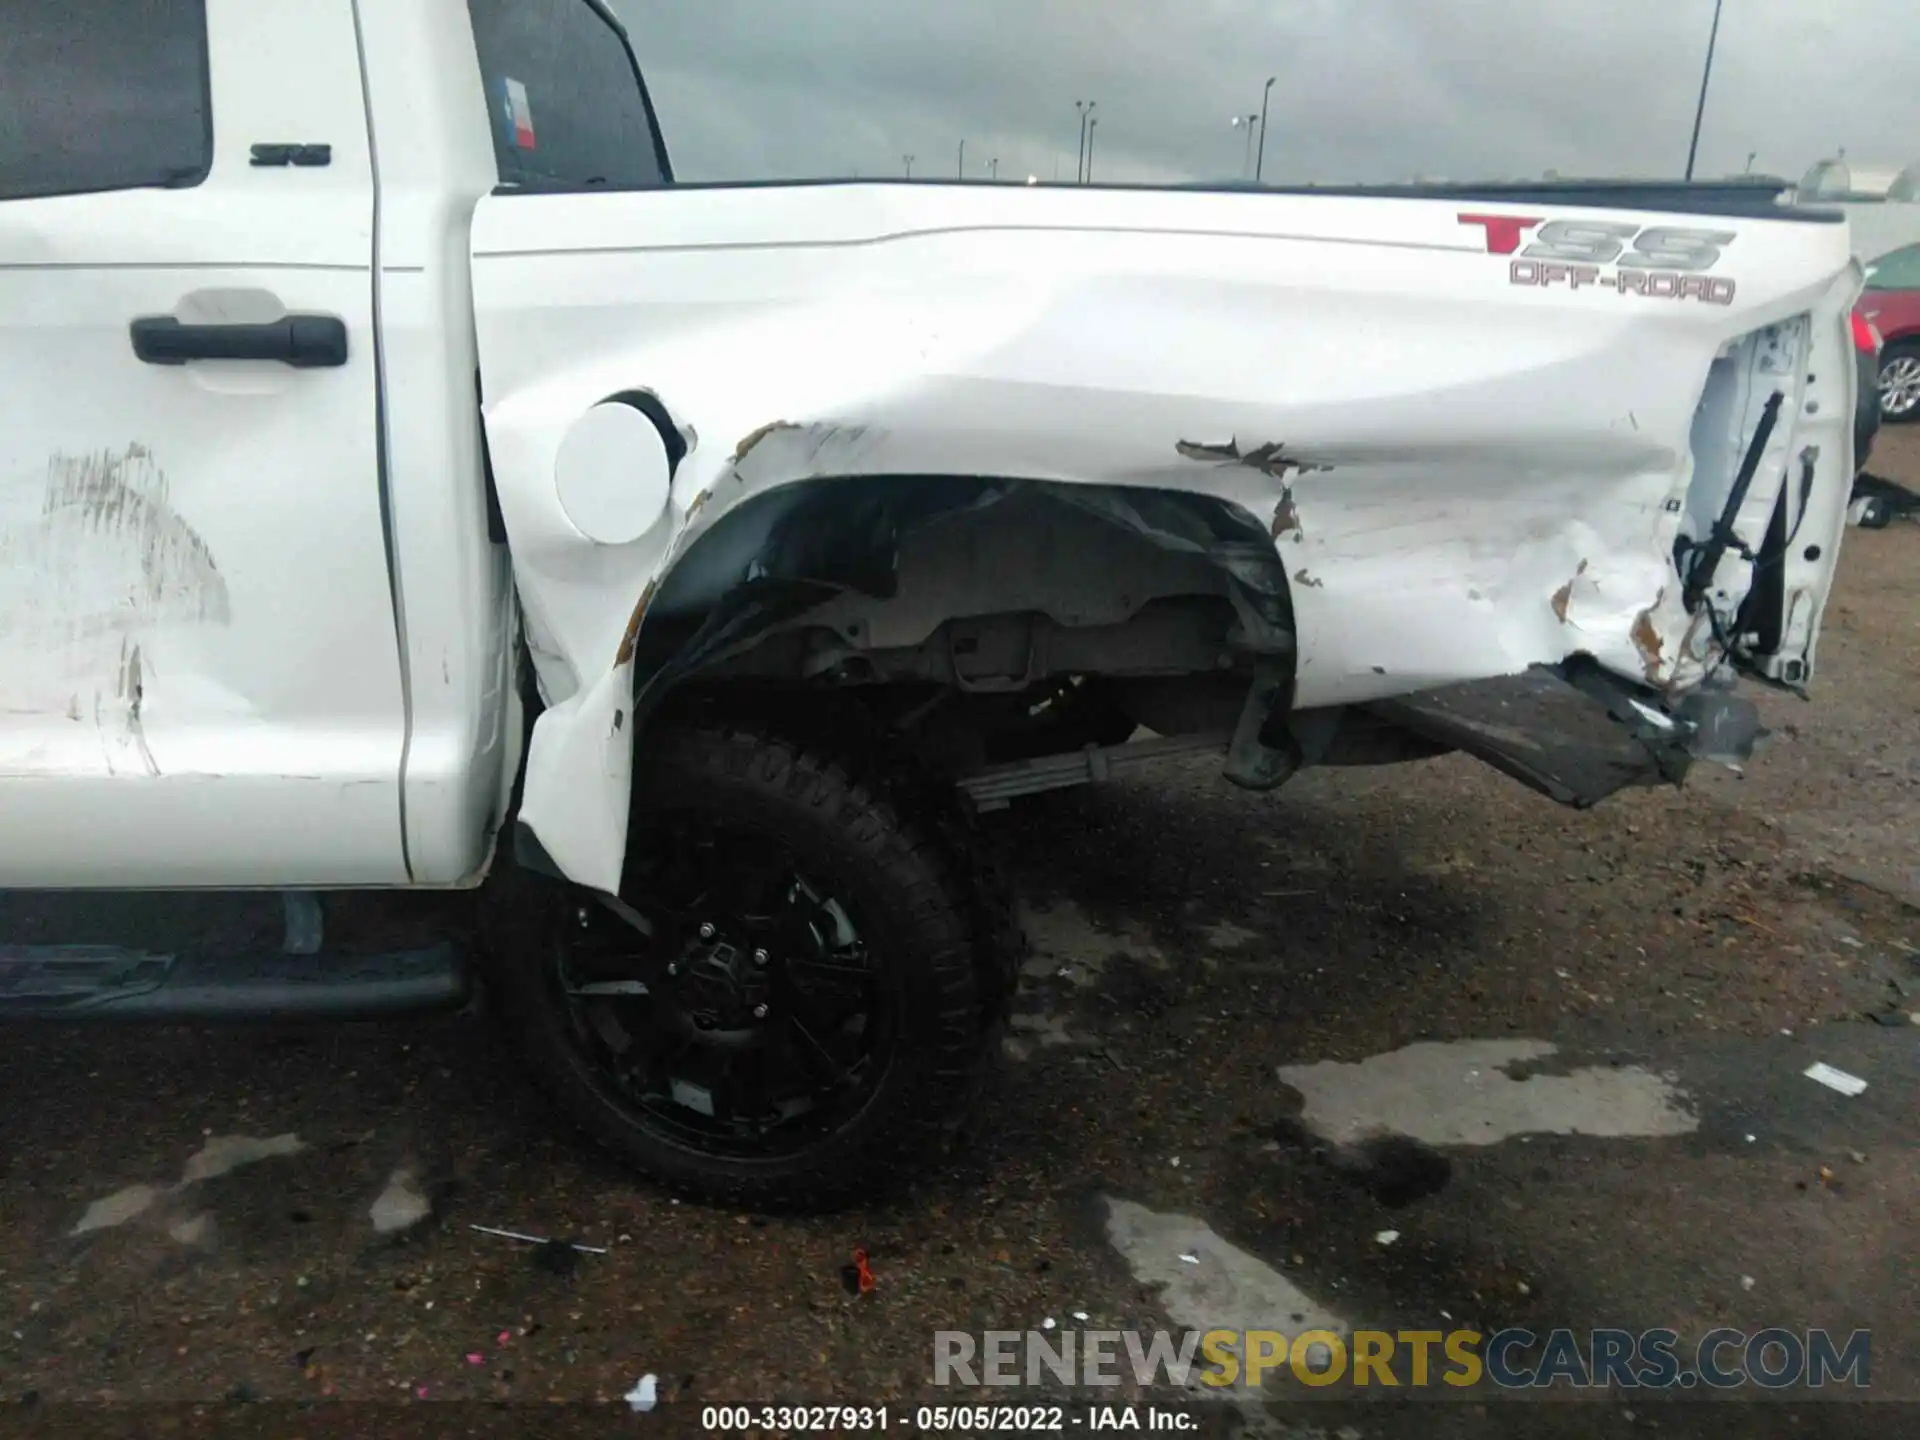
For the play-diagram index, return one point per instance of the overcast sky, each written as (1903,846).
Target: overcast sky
(1366,90)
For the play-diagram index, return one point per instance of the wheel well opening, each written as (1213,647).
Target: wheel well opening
(1001,593)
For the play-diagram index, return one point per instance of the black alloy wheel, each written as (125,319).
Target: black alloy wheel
(792,1001)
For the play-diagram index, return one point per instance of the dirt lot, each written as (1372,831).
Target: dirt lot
(1609,1012)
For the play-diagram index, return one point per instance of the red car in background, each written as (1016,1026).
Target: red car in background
(1886,342)
(1891,304)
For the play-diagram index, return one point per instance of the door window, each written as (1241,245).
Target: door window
(565,98)
(102,95)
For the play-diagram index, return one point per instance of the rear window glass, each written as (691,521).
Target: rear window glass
(566,104)
(102,95)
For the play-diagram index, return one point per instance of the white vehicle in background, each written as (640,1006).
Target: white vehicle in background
(406,487)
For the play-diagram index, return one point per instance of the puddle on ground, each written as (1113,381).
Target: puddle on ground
(194,1230)
(1225,935)
(1066,942)
(111,1211)
(1031,1031)
(224,1154)
(1460,1093)
(1206,1283)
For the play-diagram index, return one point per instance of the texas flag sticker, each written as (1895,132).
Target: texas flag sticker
(518,115)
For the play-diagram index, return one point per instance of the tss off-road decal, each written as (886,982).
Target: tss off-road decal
(1662,262)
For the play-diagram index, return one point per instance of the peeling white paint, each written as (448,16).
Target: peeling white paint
(1460,1093)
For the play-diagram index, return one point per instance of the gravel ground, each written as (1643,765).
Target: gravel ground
(1706,944)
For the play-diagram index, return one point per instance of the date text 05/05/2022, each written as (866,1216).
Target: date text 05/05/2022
(947,1419)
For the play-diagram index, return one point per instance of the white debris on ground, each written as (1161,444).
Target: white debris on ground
(400,1206)
(1839,1080)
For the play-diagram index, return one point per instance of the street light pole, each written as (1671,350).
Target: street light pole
(1080,154)
(960,165)
(1701,109)
(1260,165)
(908,160)
(993,167)
(1091,124)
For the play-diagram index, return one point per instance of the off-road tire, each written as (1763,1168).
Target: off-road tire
(939,919)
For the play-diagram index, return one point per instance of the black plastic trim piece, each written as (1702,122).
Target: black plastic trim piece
(648,404)
(496,521)
(1743,203)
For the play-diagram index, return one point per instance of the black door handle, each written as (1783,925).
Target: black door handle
(305,342)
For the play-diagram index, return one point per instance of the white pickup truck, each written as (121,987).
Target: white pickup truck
(406,486)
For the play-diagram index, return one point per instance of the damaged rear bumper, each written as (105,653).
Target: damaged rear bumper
(1577,733)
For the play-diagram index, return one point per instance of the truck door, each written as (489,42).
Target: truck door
(199,672)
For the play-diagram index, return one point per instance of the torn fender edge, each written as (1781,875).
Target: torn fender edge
(578,793)
(818,539)
(577,798)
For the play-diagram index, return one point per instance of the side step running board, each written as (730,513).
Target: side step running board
(109,982)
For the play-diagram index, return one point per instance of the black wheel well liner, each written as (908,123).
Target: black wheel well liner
(787,549)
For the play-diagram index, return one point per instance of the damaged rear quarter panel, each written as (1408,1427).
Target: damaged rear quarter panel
(1476,477)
